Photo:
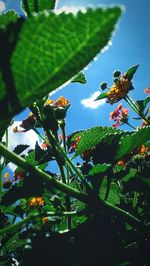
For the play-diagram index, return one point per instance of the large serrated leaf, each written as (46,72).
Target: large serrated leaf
(92,137)
(54,48)
(31,6)
(20,148)
(132,141)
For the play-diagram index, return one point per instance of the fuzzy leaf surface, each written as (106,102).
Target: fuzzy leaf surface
(132,141)
(93,136)
(54,48)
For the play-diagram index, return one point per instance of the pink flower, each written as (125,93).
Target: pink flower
(147,90)
(119,115)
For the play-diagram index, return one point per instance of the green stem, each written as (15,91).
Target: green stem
(16,226)
(78,173)
(133,105)
(68,199)
(52,182)
(130,125)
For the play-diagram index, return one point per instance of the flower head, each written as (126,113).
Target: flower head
(61,102)
(36,201)
(119,90)
(119,115)
(6,175)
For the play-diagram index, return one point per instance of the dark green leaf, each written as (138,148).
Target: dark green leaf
(113,196)
(80,77)
(48,55)
(99,168)
(101,96)
(8,18)
(93,136)
(131,71)
(20,148)
(132,141)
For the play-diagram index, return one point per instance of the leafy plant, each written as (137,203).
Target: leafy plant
(91,211)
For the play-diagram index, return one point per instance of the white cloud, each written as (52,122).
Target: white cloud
(2,6)
(14,139)
(91,103)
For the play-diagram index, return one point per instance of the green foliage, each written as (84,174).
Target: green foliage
(142,104)
(113,196)
(92,137)
(31,6)
(135,140)
(80,77)
(131,71)
(99,168)
(8,18)
(20,148)
(51,65)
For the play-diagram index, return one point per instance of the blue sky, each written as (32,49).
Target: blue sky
(130,45)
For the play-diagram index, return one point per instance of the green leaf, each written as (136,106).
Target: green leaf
(20,148)
(80,77)
(132,173)
(30,6)
(131,71)
(113,196)
(93,136)
(8,18)
(54,48)
(101,96)
(142,104)
(130,142)
(99,168)
(4,124)
(31,158)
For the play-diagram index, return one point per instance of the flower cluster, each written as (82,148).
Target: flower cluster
(60,102)
(8,182)
(119,115)
(119,90)
(36,202)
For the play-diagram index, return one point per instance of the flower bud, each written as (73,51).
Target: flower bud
(60,113)
(116,74)
(103,85)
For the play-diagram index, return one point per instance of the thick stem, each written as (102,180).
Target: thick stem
(40,174)
(16,226)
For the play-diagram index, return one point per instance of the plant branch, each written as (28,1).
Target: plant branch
(51,182)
